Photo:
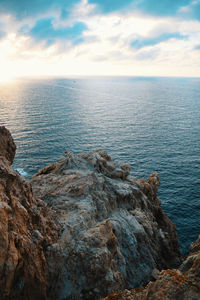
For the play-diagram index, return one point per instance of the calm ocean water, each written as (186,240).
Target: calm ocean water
(151,123)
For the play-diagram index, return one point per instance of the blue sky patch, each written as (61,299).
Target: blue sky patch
(196,11)
(2,34)
(161,7)
(25,8)
(44,30)
(154,7)
(111,5)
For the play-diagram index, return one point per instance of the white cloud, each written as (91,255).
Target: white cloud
(106,49)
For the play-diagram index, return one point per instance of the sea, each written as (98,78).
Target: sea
(152,123)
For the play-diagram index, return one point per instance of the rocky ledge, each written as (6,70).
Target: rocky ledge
(84,228)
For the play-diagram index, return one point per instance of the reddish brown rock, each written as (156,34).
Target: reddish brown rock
(26,229)
(7,145)
(191,265)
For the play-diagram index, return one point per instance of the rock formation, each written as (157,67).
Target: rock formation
(84,228)
(7,146)
(114,230)
(176,284)
(26,229)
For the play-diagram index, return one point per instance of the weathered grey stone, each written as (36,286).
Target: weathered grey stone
(114,230)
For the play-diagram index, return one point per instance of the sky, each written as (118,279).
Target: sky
(99,37)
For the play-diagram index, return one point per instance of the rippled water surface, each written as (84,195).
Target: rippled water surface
(151,123)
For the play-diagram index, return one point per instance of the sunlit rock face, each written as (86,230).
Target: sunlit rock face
(27,227)
(182,283)
(114,232)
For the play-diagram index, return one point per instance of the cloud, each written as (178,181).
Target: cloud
(144,42)
(148,54)
(46,22)
(97,37)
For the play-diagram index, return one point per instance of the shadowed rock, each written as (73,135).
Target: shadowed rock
(176,284)
(7,145)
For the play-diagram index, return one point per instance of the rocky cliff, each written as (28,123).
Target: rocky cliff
(27,227)
(114,230)
(83,228)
